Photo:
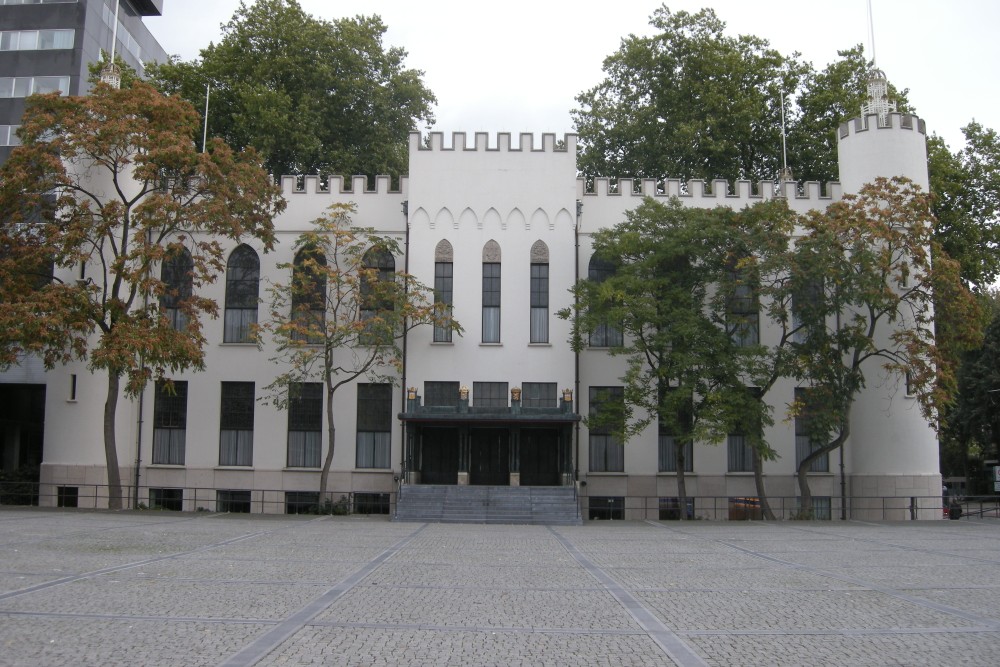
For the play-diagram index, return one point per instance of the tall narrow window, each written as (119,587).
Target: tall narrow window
(177,275)
(539,316)
(443,288)
(309,295)
(742,309)
(607,451)
(380,268)
(374,429)
(807,440)
(236,424)
(169,422)
(491,292)
(669,438)
(305,424)
(605,334)
(242,291)
(806,313)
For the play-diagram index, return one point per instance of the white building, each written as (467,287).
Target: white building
(506,229)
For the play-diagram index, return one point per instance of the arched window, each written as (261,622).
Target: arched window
(605,335)
(242,291)
(309,295)
(380,272)
(177,275)
(444,272)
(491,292)
(539,297)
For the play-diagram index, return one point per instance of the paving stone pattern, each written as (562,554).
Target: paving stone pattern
(151,588)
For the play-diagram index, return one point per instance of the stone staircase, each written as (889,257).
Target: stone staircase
(545,505)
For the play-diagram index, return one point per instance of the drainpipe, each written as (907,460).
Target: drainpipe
(576,353)
(406,269)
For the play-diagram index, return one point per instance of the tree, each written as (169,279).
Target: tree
(685,358)
(688,102)
(103,190)
(343,314)
(312,96)
(869,269)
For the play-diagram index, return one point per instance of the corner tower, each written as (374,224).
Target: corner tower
(881,142)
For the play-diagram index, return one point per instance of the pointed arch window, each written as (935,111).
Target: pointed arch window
(539,315)
(491,292)
(177,275)
(242,293)
(605,334)
(444,275)
(309,295)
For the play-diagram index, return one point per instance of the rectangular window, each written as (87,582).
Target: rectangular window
(740,453)
(374,427)
(67,496)
(443,297)
(8,135)
(742,316)
(72,387)
(491,302)
(441,394)
(489,394)
(539,303)
(236,424)
(166,499)
(539,395)
(668,454)
(237,502)
(606,508)
(169,422)
(607,451)
(670,509)
(301,502)
(807,442)
(371,503)
(305,424)
(34,40)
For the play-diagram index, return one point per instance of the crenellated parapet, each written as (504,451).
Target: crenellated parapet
(717,192)
(339,185)
(504,144)
(893,121)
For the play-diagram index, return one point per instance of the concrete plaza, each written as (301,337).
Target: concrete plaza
(159,588)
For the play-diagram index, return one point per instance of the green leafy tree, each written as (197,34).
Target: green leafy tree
(687,102)
(686,366)
(102,192)
(865,268)
(312,96)
(343,315)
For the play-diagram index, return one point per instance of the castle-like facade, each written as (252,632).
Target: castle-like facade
(501,231)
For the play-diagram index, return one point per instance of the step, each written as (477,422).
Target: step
(488,504)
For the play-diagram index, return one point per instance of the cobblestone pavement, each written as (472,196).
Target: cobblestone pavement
(150,588)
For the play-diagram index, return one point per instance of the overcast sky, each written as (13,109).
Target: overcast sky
(518,66)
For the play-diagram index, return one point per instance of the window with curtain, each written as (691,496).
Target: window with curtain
(309,295)
(374,426)
(305,424)
(242,295)
(169,422)
(236,424)
(539,296)
(807,442)
(607,451)
(177,275)
(740,453)
(605,334)
(669,432)
(491,292)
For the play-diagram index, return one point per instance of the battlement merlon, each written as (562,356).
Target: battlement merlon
(481,142)
(894,121)
(721,194)
(336,185)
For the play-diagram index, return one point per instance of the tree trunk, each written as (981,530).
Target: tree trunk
(331,439)
(111,443)
(758,480)
(802,473)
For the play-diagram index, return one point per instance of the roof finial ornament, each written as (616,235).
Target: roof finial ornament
(878,102)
